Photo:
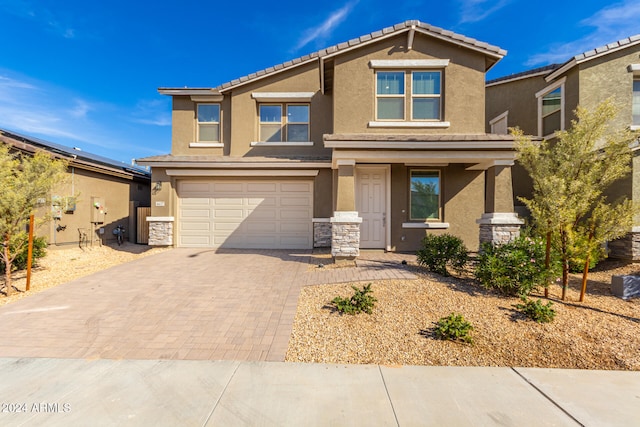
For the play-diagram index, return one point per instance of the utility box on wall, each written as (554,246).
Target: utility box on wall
(98,210)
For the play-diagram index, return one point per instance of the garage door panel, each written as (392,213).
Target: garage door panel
(246,214)
(228,187)
(262,187)
(295,214)
(295,227)
(294,201)
(195,213)
(261,227)
(194,187)
(291,187)
(228,213)
(196,226)
(195,241)
(263,201)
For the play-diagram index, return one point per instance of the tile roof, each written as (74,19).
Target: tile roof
(385,32)
(524,74)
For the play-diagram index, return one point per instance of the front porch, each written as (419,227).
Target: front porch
(389,191)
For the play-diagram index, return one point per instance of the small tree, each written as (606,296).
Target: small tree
(24,181)
(570,175)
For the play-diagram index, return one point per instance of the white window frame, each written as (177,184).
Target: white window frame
(541,94)
(439,96)
(208,144)
(392,96)
(284,125)
(635,70)
(406,65)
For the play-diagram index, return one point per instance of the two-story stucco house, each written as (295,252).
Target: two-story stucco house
(542,101)
(367,144)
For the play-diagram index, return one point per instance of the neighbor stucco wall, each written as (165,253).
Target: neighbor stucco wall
(606,77)
(117,193)
(463,85)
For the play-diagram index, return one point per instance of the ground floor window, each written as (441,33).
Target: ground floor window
(424,200)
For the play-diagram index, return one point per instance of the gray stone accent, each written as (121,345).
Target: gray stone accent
(625,287)
(499,228)
(160,233)
(345,236)
(498,234)
(627,247)
(322,234)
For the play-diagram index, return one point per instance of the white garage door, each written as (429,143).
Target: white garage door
(245,214)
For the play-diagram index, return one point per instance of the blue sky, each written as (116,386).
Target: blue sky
(86,73)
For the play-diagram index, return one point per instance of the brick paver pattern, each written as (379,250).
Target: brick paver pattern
(199,304)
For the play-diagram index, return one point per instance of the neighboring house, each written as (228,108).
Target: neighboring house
(542,101)
(367,144)
(99,194)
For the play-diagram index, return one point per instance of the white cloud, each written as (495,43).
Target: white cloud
(477,10)
(39,109)
(610,24)
(324,30)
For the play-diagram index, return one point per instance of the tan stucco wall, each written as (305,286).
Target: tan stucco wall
(116,193)
(606,77)
(463,204)
(463,86)
(239,115)
(517,97)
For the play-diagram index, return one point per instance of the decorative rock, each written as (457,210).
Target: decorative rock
(625,287)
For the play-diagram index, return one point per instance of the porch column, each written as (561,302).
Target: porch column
(499,224)
(345,223)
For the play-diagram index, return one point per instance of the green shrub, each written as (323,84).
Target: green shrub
(514,268)
(535,310)
(361,300)
(20,261)
(454,328)
(440,252)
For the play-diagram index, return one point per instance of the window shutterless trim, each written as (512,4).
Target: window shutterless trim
(218,123)
(427,96)
(402,95)
(437,220)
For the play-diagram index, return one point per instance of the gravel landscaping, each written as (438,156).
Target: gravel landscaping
(601,333)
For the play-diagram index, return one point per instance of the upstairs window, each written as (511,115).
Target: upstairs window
(390,95)
(551,109)
(293,126)
(208,123)
(424,199)
(425,95)
(551,104)
(636,102)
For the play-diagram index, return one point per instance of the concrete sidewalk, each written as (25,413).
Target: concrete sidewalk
(69,392)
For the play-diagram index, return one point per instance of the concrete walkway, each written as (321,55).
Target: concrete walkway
(72,392)
(185,304)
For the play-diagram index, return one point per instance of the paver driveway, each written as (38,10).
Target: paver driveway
(179,304)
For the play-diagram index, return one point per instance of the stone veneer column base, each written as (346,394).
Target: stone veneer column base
(345,236)
(499,228)
(627,247)
(160,230)
(321,233)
